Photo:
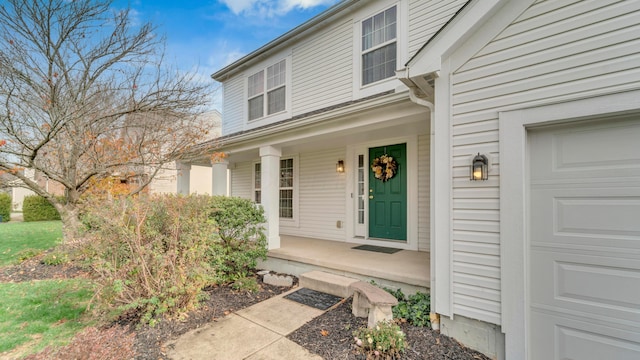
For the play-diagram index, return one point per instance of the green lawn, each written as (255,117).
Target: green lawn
(40,313)
(36,314)
(37,235)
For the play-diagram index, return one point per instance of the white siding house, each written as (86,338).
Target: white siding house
(541,260)
(313,98)
(199,174)
(547,248)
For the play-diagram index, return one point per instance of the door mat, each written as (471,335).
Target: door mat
(316,299)
(380,249)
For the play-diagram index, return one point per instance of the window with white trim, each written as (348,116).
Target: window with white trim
(286,183)
(257,183)
(271,81)
(286,188)
(379,46)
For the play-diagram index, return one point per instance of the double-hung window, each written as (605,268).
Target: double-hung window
(269,84)
(257,183)
(286,188)
(379,46)
(286,184)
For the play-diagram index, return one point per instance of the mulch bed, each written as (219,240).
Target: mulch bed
(34,269)
(329,335)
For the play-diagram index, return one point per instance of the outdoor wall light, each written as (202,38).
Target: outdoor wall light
(479,168)
(340,166)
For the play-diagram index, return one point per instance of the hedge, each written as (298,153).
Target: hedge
(5,207)
(37,208)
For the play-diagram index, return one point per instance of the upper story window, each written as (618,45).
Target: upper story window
(379,46)
(272,82)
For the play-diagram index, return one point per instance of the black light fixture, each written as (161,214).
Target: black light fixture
(340,166)
(479,168)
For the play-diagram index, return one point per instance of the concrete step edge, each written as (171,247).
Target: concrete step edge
(329,283)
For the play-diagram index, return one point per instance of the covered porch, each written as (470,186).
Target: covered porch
(405,269)
(316,211)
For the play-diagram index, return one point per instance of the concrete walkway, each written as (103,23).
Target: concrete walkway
(254,333)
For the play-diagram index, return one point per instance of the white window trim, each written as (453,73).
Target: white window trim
(286,222)
(267,118)
(402,24)
(253,181)
(514,192)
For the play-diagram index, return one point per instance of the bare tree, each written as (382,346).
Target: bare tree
(86,93)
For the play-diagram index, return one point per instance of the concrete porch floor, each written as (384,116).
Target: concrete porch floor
(408,270)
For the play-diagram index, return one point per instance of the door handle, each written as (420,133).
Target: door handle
(370,196)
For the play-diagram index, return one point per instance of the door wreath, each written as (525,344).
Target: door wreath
(384,167)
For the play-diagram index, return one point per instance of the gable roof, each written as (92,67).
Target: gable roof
(283,40)
(462,26)
(439,30)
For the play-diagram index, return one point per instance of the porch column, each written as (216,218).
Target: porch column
(183,177)
(219,177)
(270,194)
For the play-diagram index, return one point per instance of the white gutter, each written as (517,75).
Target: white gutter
(418,96)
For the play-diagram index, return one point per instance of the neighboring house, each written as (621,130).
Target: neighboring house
(19,191)
(166,181)
(539,261)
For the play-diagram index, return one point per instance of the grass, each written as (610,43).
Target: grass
(36,314)
(24,236)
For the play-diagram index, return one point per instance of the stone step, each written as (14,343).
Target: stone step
(327,283)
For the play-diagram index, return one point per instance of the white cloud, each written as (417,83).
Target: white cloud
(271,8)
(239,6)
(304,4)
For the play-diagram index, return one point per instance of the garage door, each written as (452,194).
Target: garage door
(584,243)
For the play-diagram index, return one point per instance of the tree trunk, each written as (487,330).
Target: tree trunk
(69,214)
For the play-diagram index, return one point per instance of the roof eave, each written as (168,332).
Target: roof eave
(265,50)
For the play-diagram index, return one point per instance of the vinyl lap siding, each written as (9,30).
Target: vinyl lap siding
(323,69)
(555,51)
(423,193)
(242,180)
(426,18)
(233,99)
(322,199)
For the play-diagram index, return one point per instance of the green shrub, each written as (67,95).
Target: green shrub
(151,254)
(248,284)
(5,207)
(56,258)
(27,254)
(385,341)
(37,208)
(414,309)
(241,237)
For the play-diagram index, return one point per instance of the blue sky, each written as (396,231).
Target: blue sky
(210,34)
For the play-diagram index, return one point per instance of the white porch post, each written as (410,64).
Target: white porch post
(270,194)
(183,177)
(219,177)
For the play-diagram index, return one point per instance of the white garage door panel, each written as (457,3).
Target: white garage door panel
(571,153)
(585,216)
(601,288)
(584,241)
(577,344)
(591,215)
(573,339)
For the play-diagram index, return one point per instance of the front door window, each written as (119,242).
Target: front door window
(361,195)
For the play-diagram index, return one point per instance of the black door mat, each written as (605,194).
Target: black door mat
(380,249)
(316,299)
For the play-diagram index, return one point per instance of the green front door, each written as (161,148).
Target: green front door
(388,194)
